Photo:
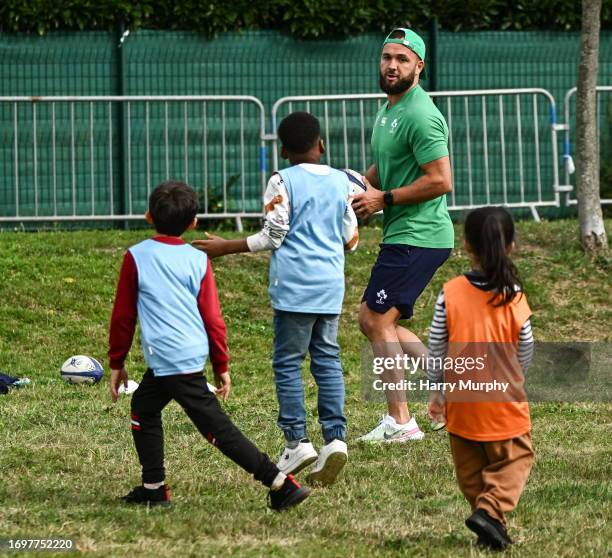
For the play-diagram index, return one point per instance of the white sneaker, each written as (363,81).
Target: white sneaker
(389,431)
(332,458)
(294,460)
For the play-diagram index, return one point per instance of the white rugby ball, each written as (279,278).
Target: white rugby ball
(357,182)
(81,369)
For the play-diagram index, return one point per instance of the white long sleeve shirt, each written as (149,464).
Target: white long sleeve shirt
(278,215)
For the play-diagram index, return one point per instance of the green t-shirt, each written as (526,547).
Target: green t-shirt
(412,133)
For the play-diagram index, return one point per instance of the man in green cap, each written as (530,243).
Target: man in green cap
(409,181)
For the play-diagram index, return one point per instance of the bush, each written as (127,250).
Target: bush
(306,19)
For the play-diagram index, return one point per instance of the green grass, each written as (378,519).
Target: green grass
(66,452)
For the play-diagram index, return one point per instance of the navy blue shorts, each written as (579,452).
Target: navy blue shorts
(400,275)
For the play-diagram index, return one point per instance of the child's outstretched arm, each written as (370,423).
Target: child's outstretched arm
(216,246)
(123,323)
(214,324)
(276,226)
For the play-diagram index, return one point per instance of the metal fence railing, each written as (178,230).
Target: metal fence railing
(513,127)
(604,125)
(98,158)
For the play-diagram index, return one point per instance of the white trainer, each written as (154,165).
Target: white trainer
(294,460)
(332,458)
(389,431)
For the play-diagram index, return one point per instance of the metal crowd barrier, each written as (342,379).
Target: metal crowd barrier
(603,124)
(498,150)
(79,158)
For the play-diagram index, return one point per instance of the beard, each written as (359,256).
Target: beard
(400,86)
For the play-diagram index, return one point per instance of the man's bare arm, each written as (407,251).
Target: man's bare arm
(434,183)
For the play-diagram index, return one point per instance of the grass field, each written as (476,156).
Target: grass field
(66,452)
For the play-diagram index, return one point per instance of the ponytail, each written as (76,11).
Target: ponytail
(490,232)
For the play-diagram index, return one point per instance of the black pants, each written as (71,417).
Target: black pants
(190,392)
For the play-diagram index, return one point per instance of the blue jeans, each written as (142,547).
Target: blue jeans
(295,334)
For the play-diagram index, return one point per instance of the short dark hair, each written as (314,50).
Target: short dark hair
(173,205)
(299,131)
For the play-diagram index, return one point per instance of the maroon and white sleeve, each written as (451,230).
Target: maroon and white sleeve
(214,324)
(124,316)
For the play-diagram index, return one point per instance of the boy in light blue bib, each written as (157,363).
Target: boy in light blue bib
(309,225)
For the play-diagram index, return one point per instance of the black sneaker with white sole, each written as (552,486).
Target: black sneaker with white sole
(288,495)
(490,532)
(161,496)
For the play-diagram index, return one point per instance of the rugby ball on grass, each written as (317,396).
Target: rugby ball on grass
(81,369)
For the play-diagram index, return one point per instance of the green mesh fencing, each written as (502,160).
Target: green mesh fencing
(61,64)
(68,160)
(58,64)
(501,146)
(213,146)
(604,125)
(264,64)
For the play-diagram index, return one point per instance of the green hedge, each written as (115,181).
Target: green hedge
(306,19)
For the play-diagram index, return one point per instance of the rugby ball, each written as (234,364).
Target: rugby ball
(81,369)
(356,181)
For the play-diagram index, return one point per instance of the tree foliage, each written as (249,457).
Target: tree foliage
(305,19)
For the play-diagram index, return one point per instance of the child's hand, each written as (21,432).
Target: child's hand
(117,378)
(214,246)
(223,383)
(437,407)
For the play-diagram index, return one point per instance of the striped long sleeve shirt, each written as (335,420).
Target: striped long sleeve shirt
(438,335)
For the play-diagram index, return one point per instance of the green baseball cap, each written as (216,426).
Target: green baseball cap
(412,41)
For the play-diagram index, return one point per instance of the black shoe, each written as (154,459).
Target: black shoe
(149,497)
(490,532)
(290,494)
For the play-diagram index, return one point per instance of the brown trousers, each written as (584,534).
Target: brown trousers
(492,475)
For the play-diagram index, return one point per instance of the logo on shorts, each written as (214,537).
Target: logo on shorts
(381,296)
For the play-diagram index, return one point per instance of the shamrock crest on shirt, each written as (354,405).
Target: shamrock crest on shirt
(381,296)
